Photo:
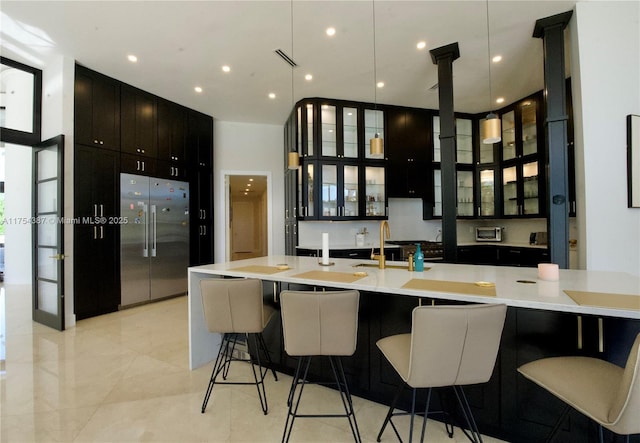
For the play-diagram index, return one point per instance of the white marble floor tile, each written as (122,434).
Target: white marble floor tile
(124,377)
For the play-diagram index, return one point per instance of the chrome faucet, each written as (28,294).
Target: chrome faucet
(384,228)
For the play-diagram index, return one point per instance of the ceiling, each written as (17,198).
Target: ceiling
(183,44)
(247,186)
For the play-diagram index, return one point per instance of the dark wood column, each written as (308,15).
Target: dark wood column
(551,31)
(444,57)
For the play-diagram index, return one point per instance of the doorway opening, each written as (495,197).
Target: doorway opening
(247,216)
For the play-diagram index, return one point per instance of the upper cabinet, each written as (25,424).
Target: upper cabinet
(522,174)
(172,131)
(96,110)
(338,178)
(138,113)
(408,152)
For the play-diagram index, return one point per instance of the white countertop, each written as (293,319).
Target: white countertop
(343,246)
(503,243)
(543,295)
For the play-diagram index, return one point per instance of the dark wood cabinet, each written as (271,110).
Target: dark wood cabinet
(139,122)
(502,255)
(96,236)
(408,153)
(172,131)
(96,110)
(138,164)
(200,156)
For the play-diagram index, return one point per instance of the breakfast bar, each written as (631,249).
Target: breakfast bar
(582,313)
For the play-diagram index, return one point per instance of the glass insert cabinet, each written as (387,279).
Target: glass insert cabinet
(339,179)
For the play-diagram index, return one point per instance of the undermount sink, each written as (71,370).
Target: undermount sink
(375,265)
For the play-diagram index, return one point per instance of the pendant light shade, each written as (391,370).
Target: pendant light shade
(490,129)
(293,161)
(376,145)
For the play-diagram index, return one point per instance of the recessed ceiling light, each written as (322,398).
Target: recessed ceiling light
(500,100)
(248,184)
(308,77)
(272,95)
(496,59)
(250,179)
(197,89)
(226,68)
(331,31)
(246,190)
(132,58)
(380,84)
(421,45)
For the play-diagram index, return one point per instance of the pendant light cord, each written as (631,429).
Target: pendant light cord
(375,72)
(293,98)
(489,58)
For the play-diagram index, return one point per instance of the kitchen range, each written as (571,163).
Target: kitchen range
(432,250)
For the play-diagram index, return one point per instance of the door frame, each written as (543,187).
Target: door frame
(56,321)
(224,184)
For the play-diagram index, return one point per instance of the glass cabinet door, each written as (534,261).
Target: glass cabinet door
(306,200)
(436,139)
(351,192)
(328,130)
(465,193)
(375,204)
(350,132)
(309,110)
(437,193)
(464,141)
(373,124)
(510,191)
(530,189)
(529,128)
(329,188)
(487,193)
(508,136)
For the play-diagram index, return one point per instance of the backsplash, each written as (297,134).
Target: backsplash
(405,223)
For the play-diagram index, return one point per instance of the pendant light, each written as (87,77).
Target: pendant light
(490,126)
(293,158)
(376,146)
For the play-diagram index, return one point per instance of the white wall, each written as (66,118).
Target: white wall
(605,63)
(241,149)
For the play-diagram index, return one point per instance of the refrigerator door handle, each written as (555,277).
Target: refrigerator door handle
(145,250)
(154,228)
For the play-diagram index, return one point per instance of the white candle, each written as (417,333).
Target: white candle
(325,248)
(548,271)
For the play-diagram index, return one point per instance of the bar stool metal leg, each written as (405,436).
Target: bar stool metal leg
(221,361)
(345,396)
(475,436)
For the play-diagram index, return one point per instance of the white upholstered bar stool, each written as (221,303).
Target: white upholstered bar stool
(447,346)
(604,392)
(319,324)
(234,308)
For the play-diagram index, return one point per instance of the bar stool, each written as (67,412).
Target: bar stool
(604,392)
(447,346)
(319,324)
(234,308)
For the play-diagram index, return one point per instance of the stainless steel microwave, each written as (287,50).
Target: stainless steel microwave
(489,233)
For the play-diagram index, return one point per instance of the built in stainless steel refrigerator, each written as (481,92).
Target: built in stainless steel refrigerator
(154,238)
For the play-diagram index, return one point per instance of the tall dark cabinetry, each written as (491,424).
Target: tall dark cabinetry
(199,145)
(96,240)
(122,129)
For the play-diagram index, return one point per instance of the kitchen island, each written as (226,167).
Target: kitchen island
(542,320)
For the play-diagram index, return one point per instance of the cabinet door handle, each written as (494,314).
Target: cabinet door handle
(96,141)
(95,232)
(101,210)
(101,142)
(600,335)
(580,332)
(142,166)
(95,210)
(137,165)
(101,232)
